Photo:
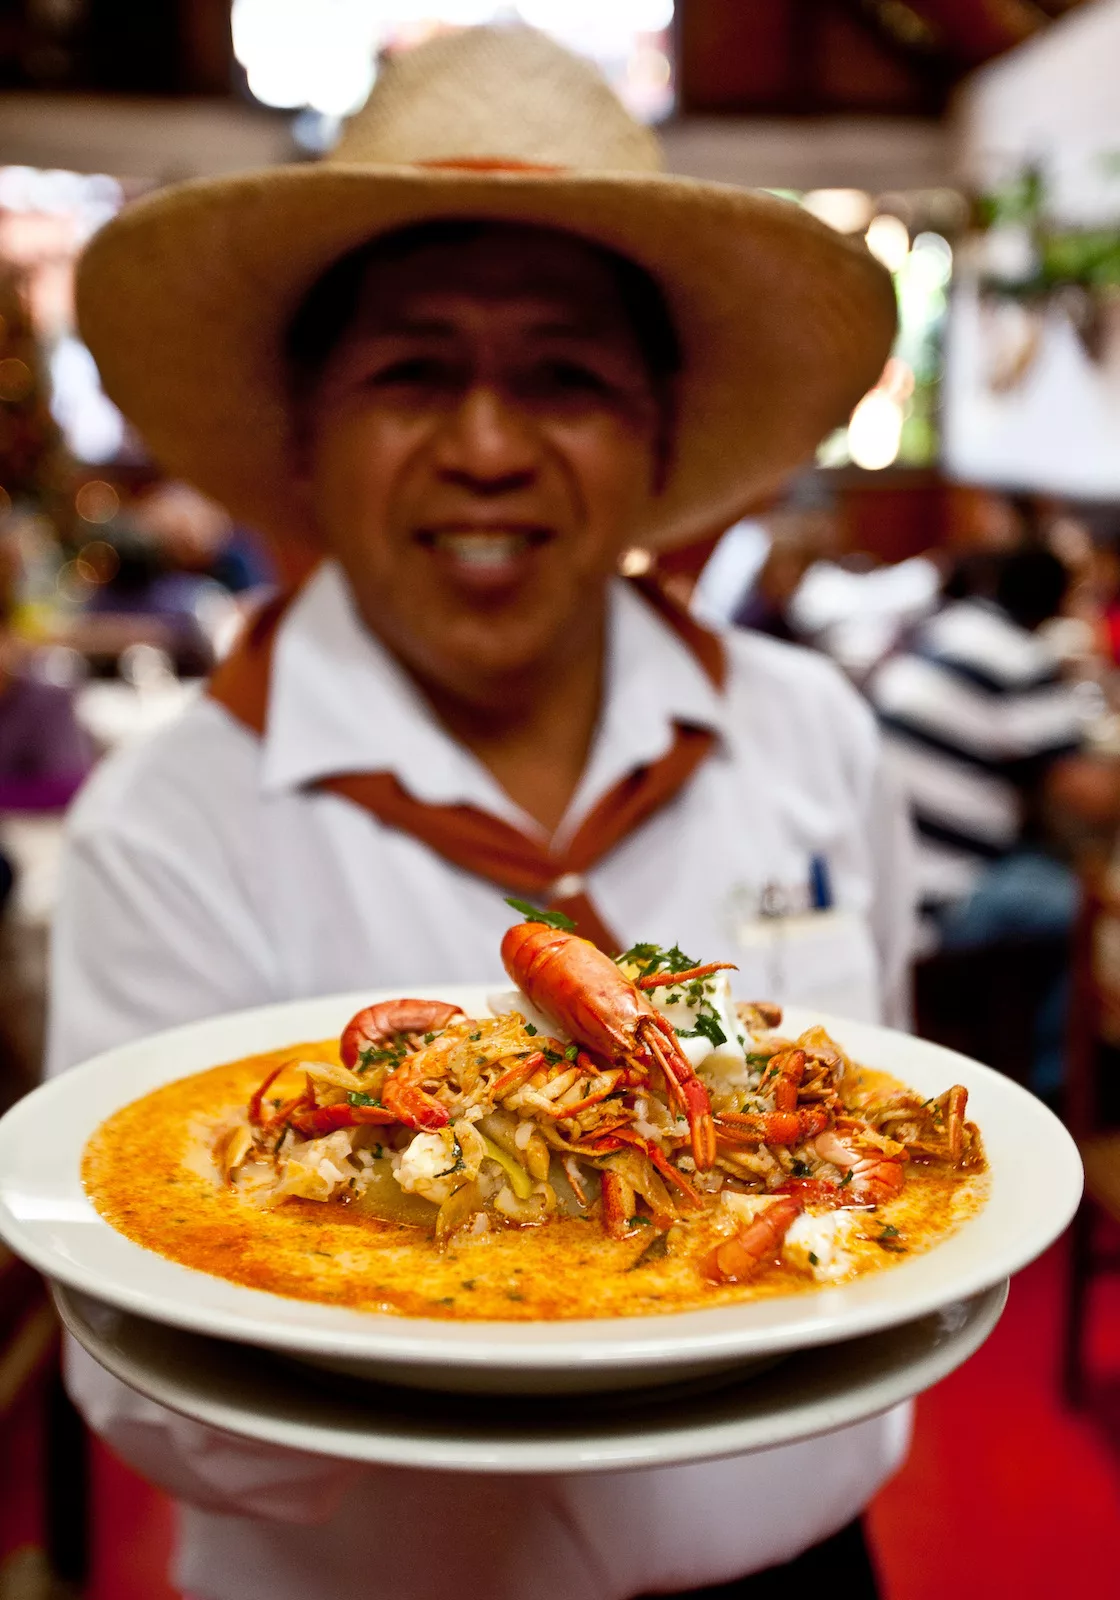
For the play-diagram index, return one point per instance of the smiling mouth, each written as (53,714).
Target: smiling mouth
(484,549)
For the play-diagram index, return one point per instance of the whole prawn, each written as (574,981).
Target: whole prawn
(584,994)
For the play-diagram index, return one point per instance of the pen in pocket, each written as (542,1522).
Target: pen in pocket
(820,884)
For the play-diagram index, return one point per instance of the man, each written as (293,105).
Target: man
(976,719)
(548,353)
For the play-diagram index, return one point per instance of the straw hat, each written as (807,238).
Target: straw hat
(184,298)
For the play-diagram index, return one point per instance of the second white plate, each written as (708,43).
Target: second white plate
(263,1397)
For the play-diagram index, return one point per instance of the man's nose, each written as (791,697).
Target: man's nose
(487,442)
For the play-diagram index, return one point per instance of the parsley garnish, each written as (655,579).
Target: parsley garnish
(638,1222)
(707,1024)
(531,913)
(571,1052)
(530,1030)
(551,1057)
(458,1164)
(392,1056)
(814,1261)
(889,1231)
(801,1169)
(357,1098)
(474,1037)
(428,1037)
(845,1180)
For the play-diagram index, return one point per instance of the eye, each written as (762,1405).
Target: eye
(570,377)
(412,372)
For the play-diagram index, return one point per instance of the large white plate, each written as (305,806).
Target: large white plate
(261,1397)
(46,1217)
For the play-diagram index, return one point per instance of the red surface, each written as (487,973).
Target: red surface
(1006,1493)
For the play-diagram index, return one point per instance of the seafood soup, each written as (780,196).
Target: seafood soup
(619,1138)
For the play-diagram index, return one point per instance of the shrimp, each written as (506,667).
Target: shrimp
(376,1026)
(875,1168)
(756,1245)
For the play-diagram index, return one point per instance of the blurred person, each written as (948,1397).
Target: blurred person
(980,726)
(171,546)
(195,535)
(471,380)
(45,754)
(757,567)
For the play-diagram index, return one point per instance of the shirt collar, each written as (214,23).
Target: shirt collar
(339,702)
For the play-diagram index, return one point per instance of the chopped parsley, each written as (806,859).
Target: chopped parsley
(889,1231)
(530,1030)
(551,1057)
(428,1037)
(845,1180)
(458,1164)
(707,1026)
(474,1037)
(391,1056)
(801,1169)
(467,1283)
(814,1260)
(357,1098)
(650,958)
(755,1059)
(571,1052)
(551,919)
(638,1222)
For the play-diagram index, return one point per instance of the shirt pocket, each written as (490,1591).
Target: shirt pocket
(822,959)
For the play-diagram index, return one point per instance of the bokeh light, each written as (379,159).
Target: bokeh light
(889,240)
(97,501)
(16,379)
(98,561)
(875,431)
(846,210)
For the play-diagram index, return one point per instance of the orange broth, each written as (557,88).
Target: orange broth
(149,1171)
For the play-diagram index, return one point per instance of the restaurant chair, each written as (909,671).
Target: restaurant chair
(984,1002)
(1094,1026)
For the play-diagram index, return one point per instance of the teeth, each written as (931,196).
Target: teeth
(482,549)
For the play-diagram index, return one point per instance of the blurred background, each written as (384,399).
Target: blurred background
(955,548)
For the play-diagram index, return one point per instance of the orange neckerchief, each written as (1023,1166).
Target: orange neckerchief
(471,838)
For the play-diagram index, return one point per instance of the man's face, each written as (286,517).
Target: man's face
(480,448)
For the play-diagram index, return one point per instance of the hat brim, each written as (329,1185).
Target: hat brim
(184,297)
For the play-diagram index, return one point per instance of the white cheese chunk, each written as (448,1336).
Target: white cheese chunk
(817,1244)
(424,1167)
(718,1059)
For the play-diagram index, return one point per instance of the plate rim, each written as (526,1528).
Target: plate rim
(529,1346)
(646,1445)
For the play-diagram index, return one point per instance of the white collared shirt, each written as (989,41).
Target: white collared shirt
(205,873)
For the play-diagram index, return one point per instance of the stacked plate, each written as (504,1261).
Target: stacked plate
(417,1392)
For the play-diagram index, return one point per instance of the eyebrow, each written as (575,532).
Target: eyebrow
(422,327)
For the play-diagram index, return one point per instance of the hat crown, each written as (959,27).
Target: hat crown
(500,95)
